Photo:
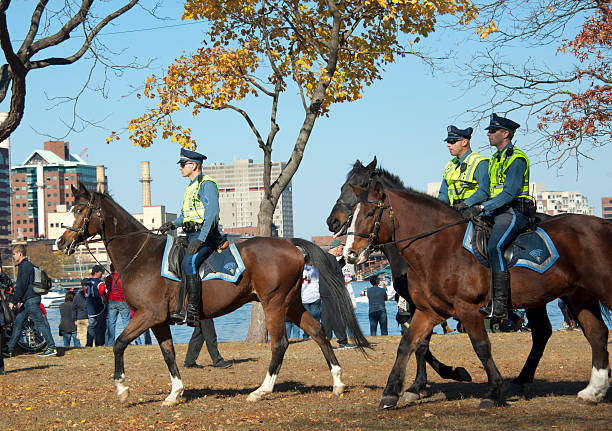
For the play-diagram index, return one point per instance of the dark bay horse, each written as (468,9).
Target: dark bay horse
(339,221)
(451,283)
(273,276)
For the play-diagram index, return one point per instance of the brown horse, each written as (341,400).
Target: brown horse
(273,276)
(449,281)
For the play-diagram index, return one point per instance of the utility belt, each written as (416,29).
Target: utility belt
(526,206)
(191,227)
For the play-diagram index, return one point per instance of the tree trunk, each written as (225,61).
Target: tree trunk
(258,331)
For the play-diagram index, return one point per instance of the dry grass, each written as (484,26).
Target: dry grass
(76,390)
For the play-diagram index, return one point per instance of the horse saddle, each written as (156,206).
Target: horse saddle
(225,263)
(532,249)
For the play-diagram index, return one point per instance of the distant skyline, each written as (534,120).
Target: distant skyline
(401,119)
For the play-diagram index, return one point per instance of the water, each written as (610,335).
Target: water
(234,326)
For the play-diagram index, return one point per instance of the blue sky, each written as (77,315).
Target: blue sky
(401,119)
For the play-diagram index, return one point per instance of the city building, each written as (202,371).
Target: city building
(606,207)
(240,193)
(6,234)
(41,183)
(563,202)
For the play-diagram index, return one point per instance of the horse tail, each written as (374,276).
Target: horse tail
(337,290)
(606,313)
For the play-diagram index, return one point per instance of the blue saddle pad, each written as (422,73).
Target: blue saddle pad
(226,265)
(534,250)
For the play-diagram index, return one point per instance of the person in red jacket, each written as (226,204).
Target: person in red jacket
(116,305)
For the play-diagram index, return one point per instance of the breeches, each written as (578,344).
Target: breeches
(506,228)
(191,262)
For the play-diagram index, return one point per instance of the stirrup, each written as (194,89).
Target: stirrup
(178,318)
(192,316)
(487,310)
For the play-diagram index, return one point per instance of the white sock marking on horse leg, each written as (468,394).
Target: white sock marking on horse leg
(597,387)
(336,373)
(121,388)
(266,388)
(351,238)
(177,390)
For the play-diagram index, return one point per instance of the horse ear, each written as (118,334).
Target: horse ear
(372,164)
(75,192)
(83,191)
(358,164)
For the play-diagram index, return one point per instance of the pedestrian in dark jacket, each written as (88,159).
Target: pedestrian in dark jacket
(67,326)
(377,312)
(95,291)
(24,294)
(79,314)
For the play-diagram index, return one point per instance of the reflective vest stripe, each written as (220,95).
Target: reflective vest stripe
(498,169)
(193,207)
(461,182)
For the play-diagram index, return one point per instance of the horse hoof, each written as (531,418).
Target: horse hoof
(487,403)
(515,390)
(338,390)
(123,396)
(253,397)
(462,375)
(388,402)
(587,398)
(169,403)
(410,397)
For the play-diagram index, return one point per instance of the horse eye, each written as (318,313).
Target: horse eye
(370,213)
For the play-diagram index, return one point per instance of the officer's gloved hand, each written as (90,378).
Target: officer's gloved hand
(461,207)
(166,227)
(194,246)
(472,212)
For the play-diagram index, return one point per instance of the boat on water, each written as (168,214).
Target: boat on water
(54,297)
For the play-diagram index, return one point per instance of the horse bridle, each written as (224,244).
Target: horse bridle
(372,237)
(81,233)
(82,236)
(373,243)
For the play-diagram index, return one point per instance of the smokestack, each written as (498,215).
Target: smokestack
(100,179)
(146,184)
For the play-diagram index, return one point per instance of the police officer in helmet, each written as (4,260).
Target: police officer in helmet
(509,206)
(466,179)
(199,218)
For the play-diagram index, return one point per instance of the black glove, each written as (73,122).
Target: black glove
(472,212)
(194,246)
(461,206)
(168,226)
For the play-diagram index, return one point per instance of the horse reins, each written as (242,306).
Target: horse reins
(80,238)
(372,237)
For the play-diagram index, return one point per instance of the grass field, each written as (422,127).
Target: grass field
(76,390)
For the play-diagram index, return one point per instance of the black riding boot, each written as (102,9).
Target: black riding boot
(500,285)
(194,287)
(178,316)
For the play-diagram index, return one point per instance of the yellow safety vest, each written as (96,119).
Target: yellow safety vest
(193,207)
(460,177)
(498,168)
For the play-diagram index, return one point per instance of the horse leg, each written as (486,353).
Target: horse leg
(278,341)
(474,325)
(541,330)
(134,328)
(304,320)
(589,316)
(164,338)
(415,336)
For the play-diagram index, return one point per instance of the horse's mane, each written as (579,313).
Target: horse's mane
(392,181)
(123,211)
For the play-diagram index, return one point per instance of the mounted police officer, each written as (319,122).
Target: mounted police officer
(199,218)
(466,179)
(509,206)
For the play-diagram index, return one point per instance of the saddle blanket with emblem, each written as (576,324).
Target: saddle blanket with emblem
(225,265)
(534,250)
